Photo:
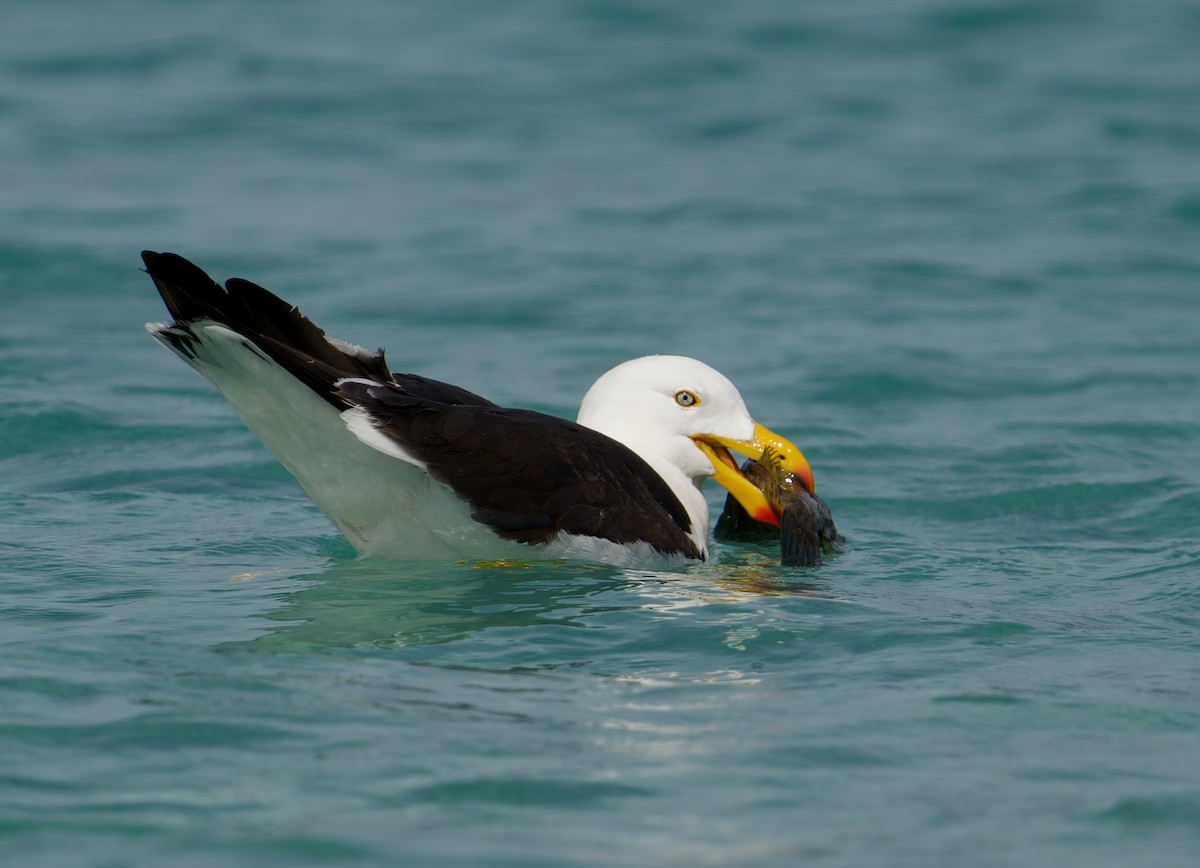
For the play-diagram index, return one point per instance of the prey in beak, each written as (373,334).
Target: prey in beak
(761,503)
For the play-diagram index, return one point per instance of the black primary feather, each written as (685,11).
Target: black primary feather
(281,332)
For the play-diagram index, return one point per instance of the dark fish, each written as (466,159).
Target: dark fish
(806,530)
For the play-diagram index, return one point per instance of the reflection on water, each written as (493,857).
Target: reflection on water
(377,604)
(374,604)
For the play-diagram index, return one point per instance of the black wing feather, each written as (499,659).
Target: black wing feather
(529,476)
(278,329)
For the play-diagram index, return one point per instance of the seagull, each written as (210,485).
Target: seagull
(408,467)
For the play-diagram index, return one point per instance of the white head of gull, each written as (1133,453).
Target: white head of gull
(683,416)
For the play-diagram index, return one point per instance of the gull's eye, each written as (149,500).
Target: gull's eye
(684,398)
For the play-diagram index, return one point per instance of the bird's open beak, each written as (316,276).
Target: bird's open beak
(726,472)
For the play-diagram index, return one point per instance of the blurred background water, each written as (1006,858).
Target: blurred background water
(949,248)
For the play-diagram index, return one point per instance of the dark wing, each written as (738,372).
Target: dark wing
(529,476)
(436,390)
(278,329)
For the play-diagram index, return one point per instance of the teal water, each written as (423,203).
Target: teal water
(948,248)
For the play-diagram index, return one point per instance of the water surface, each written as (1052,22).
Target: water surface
(950,249)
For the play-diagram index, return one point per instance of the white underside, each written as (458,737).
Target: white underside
(385,504)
